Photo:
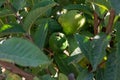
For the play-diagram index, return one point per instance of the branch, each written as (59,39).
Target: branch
(11,67)
(110,22)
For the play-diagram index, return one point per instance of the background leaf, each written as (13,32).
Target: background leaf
(5,12)
(44,3)
(112,70)
(63,65)
(115,5)
(47,77)
(2,2)
(40,35)
(18,4)
(117,27)
(85,75)
(100,74)
(34,14)
(82,8)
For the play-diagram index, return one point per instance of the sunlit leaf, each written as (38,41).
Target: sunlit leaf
(101,3)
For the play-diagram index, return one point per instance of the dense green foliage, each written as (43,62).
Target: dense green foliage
(60,39)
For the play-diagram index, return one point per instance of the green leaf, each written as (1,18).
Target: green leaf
(7,29)
(22,52)
(73,46)
(5,12)
(75,58)
(116,5)
(117,27)
(85,75)
(34,14)
(99,49)
(112,70)
(101,3)
(47,77)
(2,2)
(100,74)
(44,3)
(94,50)
(18,4)
(54,26)
(82,8)
(63,2)
(63,65)
(100,11)
(40,35)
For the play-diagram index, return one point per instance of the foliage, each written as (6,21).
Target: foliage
(45,39)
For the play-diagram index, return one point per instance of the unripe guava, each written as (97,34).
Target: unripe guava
(71,21)
(58,42)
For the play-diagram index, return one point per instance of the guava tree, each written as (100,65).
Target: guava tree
(59,39)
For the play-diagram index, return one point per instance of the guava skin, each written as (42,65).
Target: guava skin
(71,21)
(58,42)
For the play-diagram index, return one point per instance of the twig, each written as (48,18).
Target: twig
(96,23)
(11,67)
(28,37)
(101,64)
(49,51)
(110,22)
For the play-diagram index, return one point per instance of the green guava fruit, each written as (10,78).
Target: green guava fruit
(58,42)
(71,21)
